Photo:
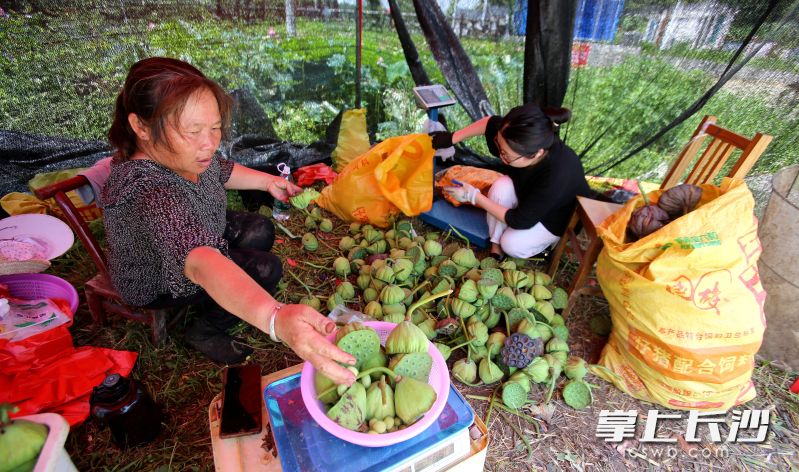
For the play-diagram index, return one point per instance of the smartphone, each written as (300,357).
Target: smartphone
(241,401)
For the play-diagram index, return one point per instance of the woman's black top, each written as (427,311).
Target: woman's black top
(546,191)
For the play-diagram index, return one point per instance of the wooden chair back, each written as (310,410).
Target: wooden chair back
(712,160)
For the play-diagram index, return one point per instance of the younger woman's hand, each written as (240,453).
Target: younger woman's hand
(305,330)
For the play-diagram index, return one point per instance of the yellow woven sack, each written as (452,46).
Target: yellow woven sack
(353,140)
(686,303)
(395,175)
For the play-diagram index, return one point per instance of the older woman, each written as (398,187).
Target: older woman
(528,208)
(171,241)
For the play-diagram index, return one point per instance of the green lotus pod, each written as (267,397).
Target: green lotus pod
(522,378)
(416,365)
(556,344)
(373,310)
(356,264)
(309,242)
(479,353)
(390,234)
(355,228)
(445,350)
(545,308)
(393,317)
(397,253)
(528,327)
(557,320)
(391,295)
(465,370)
(478,331)
(404,225)
(430,273)
(493,274)
(555,366)
(403,269)
(370,294)
(322,383)
(537,370)
(541,293)
(364,244)
(516,279)
(405,338)
(494,316)
(561,332)
(545,331)
(577,394)
(474,274)
(419,240)
(350,410)
(436,260)
(383,274)
(408,300)
(507,264)
(379,400)
(450,248)
(489,372)
(487,288)
(412,399)
(377,247)
(495,342)
(372,235)
(326,225)
(333,301)
(394,309)
(575,368)
(541,278)
(443,284)
(442,309)
(464,257)
(378,360)
(488,263)
(515,316)
(460,271)
(359,340)
(504,299)
(483,311)
(462,308)
(363,281)
(468,291)
(432,248)
(514,396)
(561,356)
(342,266)
(346,290)
(357,252)
(312,302)
(419,316)
(447,269)
(559,298)
(432,236)
(310,223)
(346,243)
(525,300)
(378,285)
(404,243)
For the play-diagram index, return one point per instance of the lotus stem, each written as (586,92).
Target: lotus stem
(286,230)
(300,282)
(425,300)
(519,433)
(317,266)
(491,405)
(468,244)
(551,389)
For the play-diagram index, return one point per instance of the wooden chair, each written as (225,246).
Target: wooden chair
(591,213)
(101,297)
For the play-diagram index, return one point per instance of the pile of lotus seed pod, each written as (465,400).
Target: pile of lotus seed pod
(391,390)
(506,317)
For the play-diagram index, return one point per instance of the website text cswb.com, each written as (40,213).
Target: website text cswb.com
(747,426)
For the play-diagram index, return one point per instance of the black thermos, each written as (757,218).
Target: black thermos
(128,409)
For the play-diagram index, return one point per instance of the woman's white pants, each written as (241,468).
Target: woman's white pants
(519,243)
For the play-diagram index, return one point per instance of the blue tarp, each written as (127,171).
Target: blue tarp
(596,20)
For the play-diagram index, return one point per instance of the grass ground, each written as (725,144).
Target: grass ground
(184,382)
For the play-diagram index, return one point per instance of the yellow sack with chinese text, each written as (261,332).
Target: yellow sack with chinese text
(395,175)
(353,140)
(686,303)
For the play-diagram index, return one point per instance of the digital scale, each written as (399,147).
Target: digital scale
(303,445)
(433,97)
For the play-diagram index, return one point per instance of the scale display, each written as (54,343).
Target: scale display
(433,96)
(304,446)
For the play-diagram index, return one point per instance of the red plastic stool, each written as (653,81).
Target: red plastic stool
(795,386)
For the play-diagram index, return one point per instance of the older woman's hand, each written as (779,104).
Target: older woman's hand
(282,189)
(304,330)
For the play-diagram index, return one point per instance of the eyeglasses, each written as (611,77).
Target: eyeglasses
(504,155)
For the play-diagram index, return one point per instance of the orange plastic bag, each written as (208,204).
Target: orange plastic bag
(686,303)
(395,175)
(482,179)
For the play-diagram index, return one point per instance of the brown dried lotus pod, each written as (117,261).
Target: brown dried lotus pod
(680,199)
(646,220)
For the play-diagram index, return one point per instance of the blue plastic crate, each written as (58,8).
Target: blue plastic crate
(466,219)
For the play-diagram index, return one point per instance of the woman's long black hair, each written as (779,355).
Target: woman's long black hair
(529,128)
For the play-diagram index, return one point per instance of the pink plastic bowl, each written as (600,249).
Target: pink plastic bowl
(439,380)
(35,286)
